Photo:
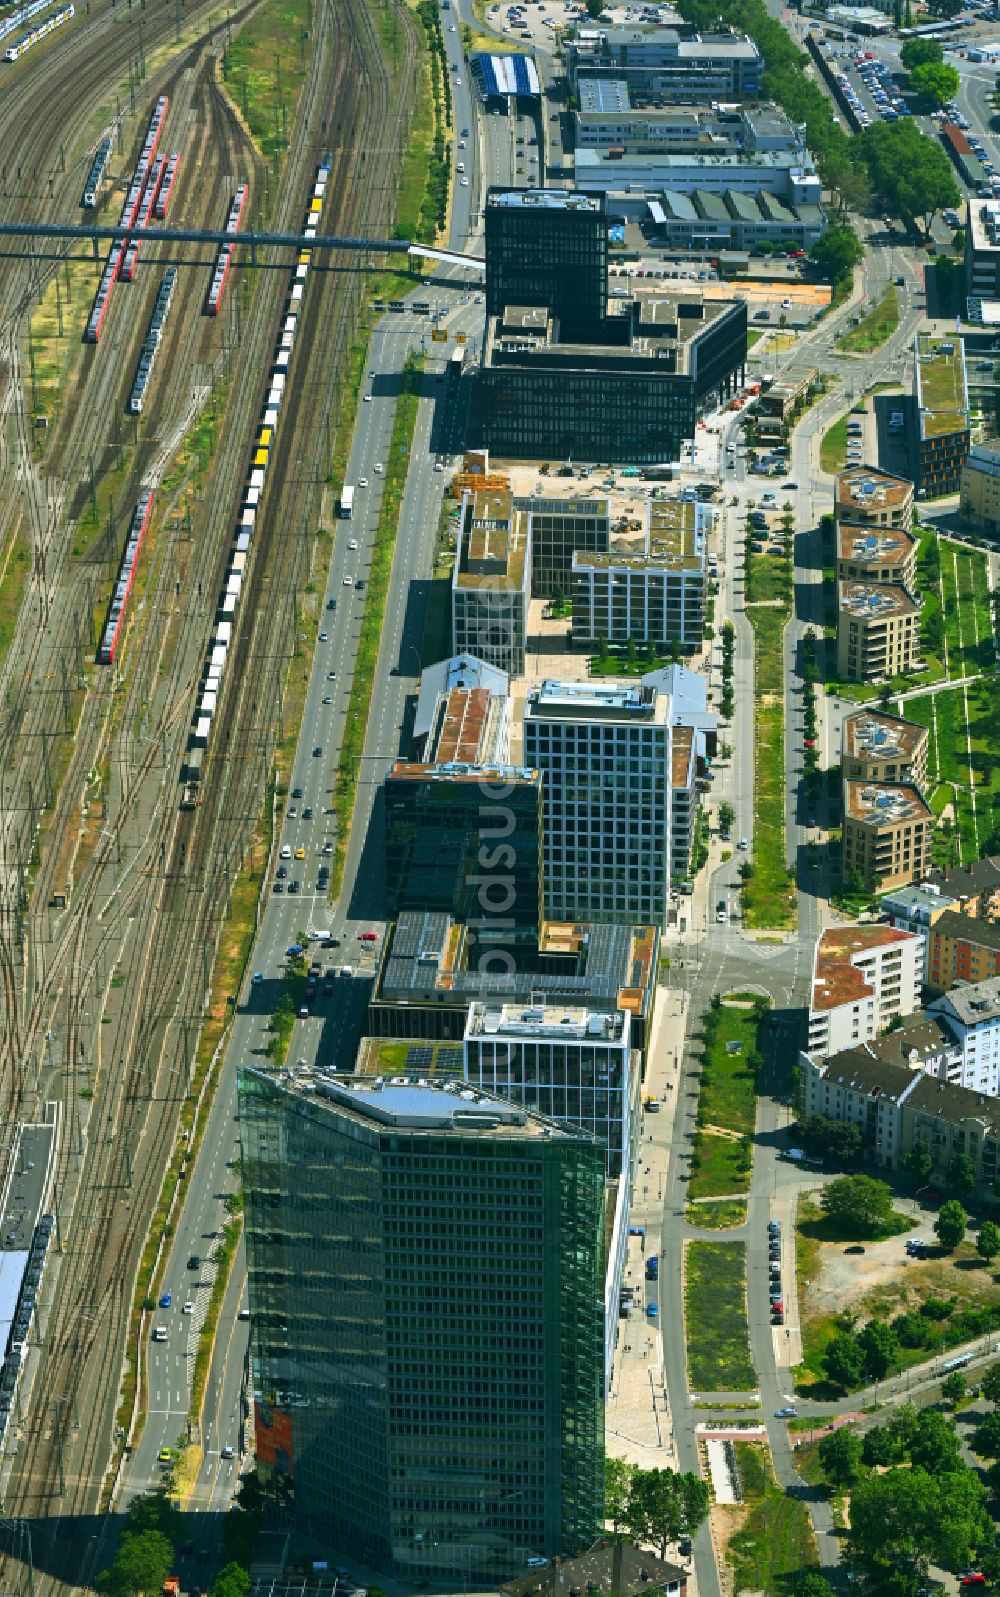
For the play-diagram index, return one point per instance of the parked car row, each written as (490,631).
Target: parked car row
(774,1271)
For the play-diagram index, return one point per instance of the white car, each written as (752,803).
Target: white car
(368,399)
(348,582)
(227,1451)
(465,182)
(744,843)
(324,636)
(786,304)
(352,543)
(286,850)
(362,482)
(378,468)
(188,1307)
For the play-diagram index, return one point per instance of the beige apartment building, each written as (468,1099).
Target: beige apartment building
(492,581)
(878,631)
(876,747)
(870,498)
(981,485)
(887,833)
(867,554)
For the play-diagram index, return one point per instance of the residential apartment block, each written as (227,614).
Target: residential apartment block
(976,886)
(657,595)
(426,1269)
(604,753)
(961,948)
(916,909)
(869,555)
(895,1090)
(887,831)
(872,499)
(864,978)
(971,1012)
(564,1061)
(491,585)
(878,747)
(878,631)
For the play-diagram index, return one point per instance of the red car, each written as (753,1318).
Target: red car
(810,743)
(973,1578)
(367,937)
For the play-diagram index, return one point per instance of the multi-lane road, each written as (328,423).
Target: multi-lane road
(330,1033)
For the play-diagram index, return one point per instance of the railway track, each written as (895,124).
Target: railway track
(181,864)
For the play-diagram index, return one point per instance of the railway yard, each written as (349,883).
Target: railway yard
(112,895)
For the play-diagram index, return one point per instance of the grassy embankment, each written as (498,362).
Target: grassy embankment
(721,1146)
(715,1316)
(874,328)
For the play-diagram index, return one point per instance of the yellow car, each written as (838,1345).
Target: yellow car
(300,853)
(164,1456)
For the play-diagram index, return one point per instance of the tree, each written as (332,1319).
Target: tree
(949,1227)
(961,1174)
(879,1447)
(142,1564)
(935,81)
(986,1437)
(910,173)
(231,1581)
(920,52)
(963,1524)
(860,1205)
(664,1505)
(727,816)
(990,1384)
(837,253)
(988,1241)
(919,1161)
(155,1511)
(837,1140)
(840,1456)
(891,1515)
(808,1583)
(844,1360)
(618,1473)
(880,1349)
(935,1445)
(954,1388)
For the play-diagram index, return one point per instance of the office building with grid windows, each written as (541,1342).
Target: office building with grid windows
(604,754)
(547,248)
(426,1272)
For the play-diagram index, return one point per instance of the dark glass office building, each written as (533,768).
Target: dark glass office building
(426,1288)
(632,396)
(466,841)
(547,248)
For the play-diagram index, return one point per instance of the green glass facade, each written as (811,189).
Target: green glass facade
(427,1323)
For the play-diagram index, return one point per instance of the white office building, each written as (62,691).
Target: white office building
(605,750)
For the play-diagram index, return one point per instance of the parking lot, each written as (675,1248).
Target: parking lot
(868,84)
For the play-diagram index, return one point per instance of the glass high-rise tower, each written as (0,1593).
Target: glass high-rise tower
(426,1286)
(548,247)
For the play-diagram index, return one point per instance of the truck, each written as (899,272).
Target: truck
(347,501)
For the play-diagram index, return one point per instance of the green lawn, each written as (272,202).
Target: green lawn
(873,330)
(718,1341)
(719,1165)
(721,1215)
(833,447)
(769,898)
(966,607)
(953,779)
(728,1095)
(776,1541)
(264,69)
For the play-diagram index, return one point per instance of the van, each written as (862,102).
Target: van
(160,1333)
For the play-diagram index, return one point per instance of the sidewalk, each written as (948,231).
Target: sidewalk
(638,1423)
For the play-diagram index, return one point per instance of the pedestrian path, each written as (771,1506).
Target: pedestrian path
(638,1423)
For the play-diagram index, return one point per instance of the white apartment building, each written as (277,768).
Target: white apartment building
(564,1061)
(971,1013)
(863,978)
(605,750)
